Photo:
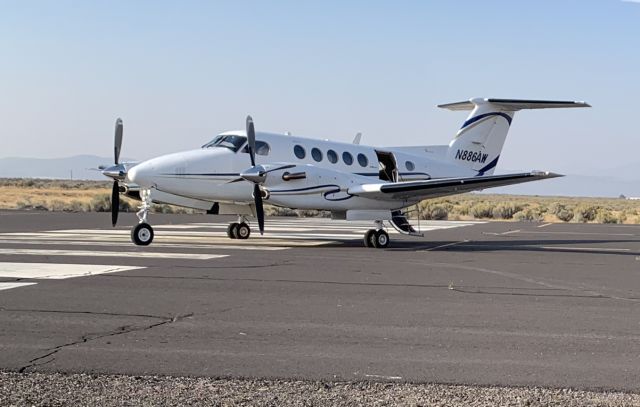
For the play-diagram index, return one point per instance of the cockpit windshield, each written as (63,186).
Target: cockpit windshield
(231,141)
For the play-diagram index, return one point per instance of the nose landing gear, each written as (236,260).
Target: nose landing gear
(142,234)
(377,238)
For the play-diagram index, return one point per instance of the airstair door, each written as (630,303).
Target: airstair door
(387,169)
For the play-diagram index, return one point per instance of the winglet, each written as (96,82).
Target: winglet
(357,138)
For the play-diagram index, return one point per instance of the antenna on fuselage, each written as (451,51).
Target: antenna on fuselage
(356,139)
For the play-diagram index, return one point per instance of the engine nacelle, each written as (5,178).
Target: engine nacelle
(307,186)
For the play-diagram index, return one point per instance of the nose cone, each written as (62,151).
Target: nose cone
(142,175)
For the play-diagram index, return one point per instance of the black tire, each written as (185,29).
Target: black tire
(232,230)
(381,239)
(243,231)
(142,235)
(369,238)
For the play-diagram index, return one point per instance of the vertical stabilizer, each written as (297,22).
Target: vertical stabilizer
(478,143)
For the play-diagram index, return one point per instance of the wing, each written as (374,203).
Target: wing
(434,188)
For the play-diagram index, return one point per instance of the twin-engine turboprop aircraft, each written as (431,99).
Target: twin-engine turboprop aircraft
(353,181)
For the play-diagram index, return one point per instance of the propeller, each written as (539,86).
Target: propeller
(117,171)
(259,175)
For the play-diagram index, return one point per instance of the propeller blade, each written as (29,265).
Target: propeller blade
(115,203)
(257,196)
(233,181)
(117,142)
(251,135)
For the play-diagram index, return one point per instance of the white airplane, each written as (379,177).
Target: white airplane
(353,181)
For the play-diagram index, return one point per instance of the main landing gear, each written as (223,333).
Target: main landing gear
(239,230)
(377,238)
(142,234)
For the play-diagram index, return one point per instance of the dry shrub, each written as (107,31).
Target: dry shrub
(604,216)
(482,211)
(278,211)
(312,213)
(585,213)
(435,210)
(505,211)
(529,215)
(438,212)
(102,203)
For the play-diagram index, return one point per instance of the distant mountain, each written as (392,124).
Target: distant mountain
(629,172)
(577,185)
(608,183)
(76,167)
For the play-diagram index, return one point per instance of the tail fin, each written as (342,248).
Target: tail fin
(479,141)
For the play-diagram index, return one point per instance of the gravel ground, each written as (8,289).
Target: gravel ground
(37,389)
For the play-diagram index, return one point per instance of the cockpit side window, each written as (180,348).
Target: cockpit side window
(232,142)
(262,148)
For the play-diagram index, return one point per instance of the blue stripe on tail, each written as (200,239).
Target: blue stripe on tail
(482,116)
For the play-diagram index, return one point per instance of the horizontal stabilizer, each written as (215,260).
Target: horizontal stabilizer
(433,188)
(513,105)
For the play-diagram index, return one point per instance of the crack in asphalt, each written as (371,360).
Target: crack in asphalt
(125,329)
(111,314)
(463,291)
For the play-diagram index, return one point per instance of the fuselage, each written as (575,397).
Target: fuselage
(330,168)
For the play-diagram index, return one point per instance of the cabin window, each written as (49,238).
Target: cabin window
(231,141)
(332,156)
(362,160)
(298,150)
(316,154)
(262,148)
(347,158)
(409,165)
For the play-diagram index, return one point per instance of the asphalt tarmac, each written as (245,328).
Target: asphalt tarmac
(499,303)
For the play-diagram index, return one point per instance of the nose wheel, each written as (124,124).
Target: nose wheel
(142,234)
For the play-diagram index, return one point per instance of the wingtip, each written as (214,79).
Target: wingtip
(546,174)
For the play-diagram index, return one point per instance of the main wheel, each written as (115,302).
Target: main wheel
(369,238)
(232,230)
(243,231)
(381,239)
(142,235)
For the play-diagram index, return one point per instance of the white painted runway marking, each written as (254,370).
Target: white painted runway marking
(545,225)
(588,249)
(446,245)
(93,253)
(532,232)
(27,241)
(58,271)
(377,376)
(509,232)
(282,235)
(9,286)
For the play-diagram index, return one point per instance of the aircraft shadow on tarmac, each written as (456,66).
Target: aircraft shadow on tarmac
(584,246)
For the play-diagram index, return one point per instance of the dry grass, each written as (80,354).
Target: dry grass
(532,208)
(93,196)
(67,196)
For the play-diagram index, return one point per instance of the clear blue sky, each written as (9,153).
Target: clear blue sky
(180,72)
